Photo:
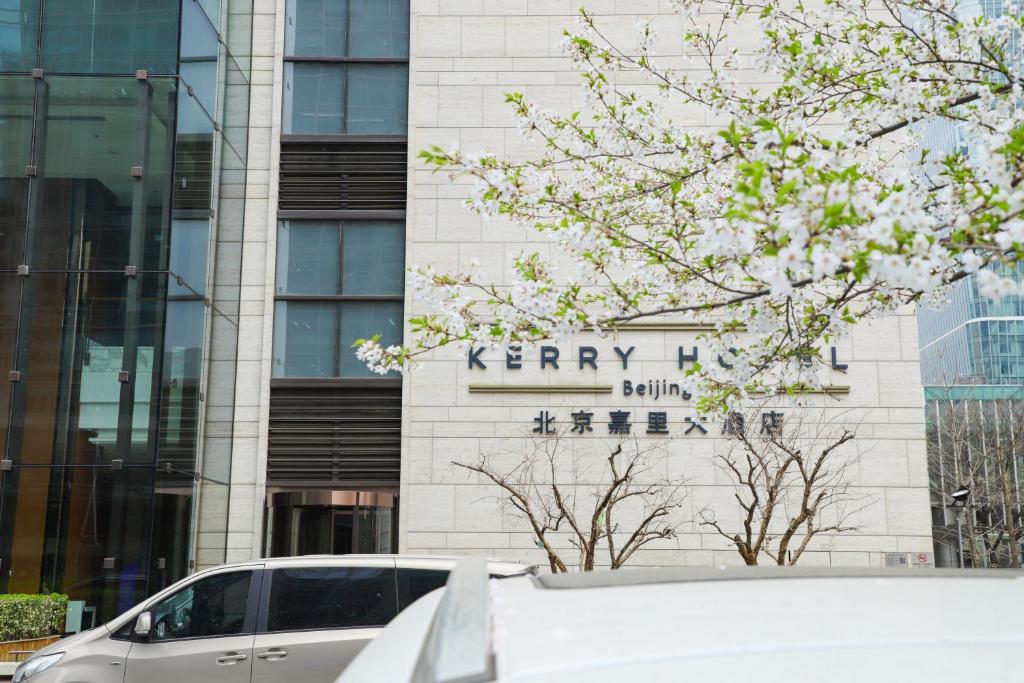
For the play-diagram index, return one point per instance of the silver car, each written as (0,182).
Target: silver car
(300,619)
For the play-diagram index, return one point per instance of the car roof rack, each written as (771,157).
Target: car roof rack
(458,645)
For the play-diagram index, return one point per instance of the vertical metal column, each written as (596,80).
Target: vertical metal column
(23,338)
(121,515)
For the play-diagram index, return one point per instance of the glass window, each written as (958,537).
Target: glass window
(362,320)
(413,584)
(189,248)
(331,597)
(306,343)
(353,28)
(313,338)
(19,29)
(308,338)
(378,97)
(378,28)
(372,255)
(214,606)
(314,98)
(110,36)
(88,193)
(326,99)
(374,258)
(307,257)
(16,98)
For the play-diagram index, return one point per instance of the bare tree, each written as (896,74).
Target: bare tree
(790,482)
(975,447)
(629,508)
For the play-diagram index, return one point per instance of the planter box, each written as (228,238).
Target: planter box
(8,647)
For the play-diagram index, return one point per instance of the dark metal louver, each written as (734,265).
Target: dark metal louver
(343,175)
(335,435)
(193,166)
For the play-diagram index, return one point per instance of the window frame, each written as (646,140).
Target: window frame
(251,606)
(262,618)
(340,218)
(325,60)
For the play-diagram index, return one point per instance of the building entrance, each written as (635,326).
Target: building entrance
(329,523)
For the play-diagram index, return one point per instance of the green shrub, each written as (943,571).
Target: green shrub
(32,616)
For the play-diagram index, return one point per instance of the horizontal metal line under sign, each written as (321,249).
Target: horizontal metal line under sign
(657,327)
(540,388)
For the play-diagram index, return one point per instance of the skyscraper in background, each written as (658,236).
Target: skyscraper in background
(972,369)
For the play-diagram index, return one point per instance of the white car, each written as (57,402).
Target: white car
(706,625)
(297,619)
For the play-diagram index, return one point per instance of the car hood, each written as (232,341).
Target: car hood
(63,644)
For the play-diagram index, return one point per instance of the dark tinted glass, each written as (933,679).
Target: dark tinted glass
(110,36)
(100,558)
(331,597)
(16,97)
(214,606)
(97,130)
(413,584)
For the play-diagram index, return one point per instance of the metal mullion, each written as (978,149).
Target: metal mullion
(340,215)
(315,59)
(341,277)
(340,298)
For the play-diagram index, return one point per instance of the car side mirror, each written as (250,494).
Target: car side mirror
(143,625)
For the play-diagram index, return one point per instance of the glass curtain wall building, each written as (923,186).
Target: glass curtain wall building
(118,124)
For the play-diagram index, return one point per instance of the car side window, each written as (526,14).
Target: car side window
(413,584)
(214,606)
(308,598)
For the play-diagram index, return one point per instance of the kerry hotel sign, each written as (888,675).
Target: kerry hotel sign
(619,421)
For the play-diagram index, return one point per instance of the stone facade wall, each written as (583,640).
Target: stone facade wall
(466,54)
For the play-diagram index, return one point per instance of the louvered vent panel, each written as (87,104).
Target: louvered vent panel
(342,176)
(193,166)
(335,435)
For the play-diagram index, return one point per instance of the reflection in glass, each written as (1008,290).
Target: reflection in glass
(83,531)
(19,30)
(306,339)
(347,28)
(362,320)
(16,97)
(325,99)
(316,28)
(314,98)
(307,257)
(97,130)
(378,98)
(110,36)
(374,258)
(10,295)
(379,28)
(190,244)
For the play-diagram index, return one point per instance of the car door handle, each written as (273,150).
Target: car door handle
(273,654)
(231,658)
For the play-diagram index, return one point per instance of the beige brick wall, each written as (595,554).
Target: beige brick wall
(466,54)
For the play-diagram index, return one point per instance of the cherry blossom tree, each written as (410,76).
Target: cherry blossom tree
(813,206)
